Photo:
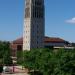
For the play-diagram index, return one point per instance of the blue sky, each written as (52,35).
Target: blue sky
(59,19)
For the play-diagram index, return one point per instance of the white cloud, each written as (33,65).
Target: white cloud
(71,20)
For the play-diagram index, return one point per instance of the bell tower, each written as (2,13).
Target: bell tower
(34,24)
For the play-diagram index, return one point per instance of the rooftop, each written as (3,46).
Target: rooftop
(46,40)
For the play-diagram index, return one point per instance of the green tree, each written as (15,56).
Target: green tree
(5,54)
(36,59)
(20,57)
(7,60)
(50,62)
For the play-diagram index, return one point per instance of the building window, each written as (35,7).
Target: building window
(27,12)
(26,41)
(38,12)
(26,36)
(37,42)
(37,46)
(26,31)
(27,2)
(38,2)
(19,47)
(37,37)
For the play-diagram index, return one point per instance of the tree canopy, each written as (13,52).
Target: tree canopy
(5,55)
(50,62)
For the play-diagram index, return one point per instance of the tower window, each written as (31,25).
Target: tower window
(38,12)
(27,2)
(38,2)
(27,12)
(37,42)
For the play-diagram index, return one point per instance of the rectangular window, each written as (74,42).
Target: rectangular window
(27,2)
(27,12)
(38,12)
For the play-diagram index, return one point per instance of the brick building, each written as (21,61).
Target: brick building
(48,42)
